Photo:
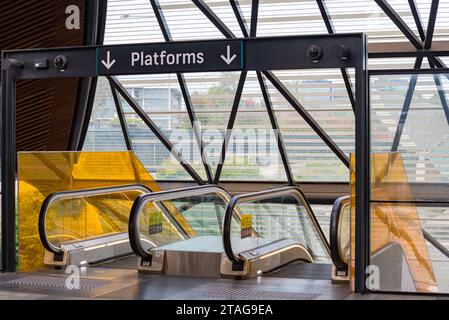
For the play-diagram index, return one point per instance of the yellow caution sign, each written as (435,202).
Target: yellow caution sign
(155,222)
(246,225)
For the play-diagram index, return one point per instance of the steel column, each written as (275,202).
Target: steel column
(8,171)
(362,173)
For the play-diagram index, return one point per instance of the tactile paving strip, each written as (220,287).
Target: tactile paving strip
(251,294)
(46,281)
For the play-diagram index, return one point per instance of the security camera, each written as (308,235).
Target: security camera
(61,62)
(314,52)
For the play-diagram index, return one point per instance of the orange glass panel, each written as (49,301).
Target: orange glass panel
(42,173)
(398,222)
(352,219)
(392,222)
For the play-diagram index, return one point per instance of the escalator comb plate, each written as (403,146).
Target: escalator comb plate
(251,294)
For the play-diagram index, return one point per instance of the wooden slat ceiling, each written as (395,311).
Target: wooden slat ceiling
(45,108)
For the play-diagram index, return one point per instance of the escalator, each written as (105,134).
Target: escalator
(201,232)
(244,236)
(65,246)
(284,232)
(188,244)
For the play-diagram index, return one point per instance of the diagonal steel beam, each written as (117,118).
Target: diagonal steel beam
(160,17)
(431,24)
(267,99)
(154,128)
(230,126)
(418,63)
(121,117)
(429,35)
(397,20)
(254,18)
(165,29)
(441,92)
(293,101)
(438,63)
(239,16)
(307,117)
(417,18)
(207,11)
(406,106)
(331,30)
(125,131)
(277,130)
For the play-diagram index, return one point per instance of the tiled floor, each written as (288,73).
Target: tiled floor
(127,284)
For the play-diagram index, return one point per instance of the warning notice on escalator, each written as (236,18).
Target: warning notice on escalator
(155,222)
(246,225)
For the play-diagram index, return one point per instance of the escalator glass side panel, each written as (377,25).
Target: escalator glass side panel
(399,254)
(266,221)
(164,223)
(43,173)
(82,218)
(395,219)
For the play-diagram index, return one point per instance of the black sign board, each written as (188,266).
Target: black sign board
(170,57)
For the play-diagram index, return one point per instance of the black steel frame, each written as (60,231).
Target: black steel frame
(13,72)
(423,45)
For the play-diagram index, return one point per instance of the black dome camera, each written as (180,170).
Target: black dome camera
(314,52)
(61,62)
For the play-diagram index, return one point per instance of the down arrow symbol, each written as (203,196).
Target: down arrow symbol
(108,63)
(228,59)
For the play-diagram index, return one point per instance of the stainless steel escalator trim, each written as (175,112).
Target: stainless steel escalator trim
(263,195)
(142,200)
(72,194)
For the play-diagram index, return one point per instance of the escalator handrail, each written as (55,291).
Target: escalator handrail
(77,194)
(142,200)
(263,195)
(334,233)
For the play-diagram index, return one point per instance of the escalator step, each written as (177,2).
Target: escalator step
(301,270)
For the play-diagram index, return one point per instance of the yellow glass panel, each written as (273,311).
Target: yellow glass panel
(352,219)
(393,222)
(42,173)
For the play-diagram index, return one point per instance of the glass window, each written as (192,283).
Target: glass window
(409,182)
